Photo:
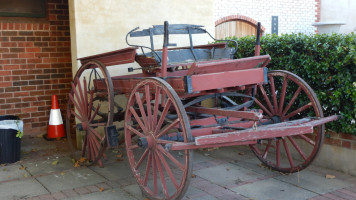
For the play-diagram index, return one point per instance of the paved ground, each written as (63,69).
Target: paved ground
(46,172)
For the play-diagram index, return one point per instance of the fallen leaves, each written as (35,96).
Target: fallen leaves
(55,162)
(329,176)
(194,176)
(101,189)
(22,168)
(80,161)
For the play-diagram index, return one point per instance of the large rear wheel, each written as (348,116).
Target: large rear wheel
(287,97)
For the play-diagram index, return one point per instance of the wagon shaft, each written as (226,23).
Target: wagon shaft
(263,132)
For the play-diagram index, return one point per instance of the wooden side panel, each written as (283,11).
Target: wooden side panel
(211,81)
(117,57)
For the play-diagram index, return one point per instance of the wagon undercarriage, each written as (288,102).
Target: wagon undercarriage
(188,98)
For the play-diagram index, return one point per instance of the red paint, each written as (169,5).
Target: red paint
(227,79)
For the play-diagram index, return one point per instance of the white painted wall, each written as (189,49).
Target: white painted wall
(341,10)
(99,26)
(293,15)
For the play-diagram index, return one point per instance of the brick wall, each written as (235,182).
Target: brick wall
(35,63)
(293,16)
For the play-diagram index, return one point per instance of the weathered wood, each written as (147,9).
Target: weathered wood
(252,134)
(228,113)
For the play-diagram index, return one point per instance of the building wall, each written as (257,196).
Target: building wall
(35,63)
(293,15)
(101,25)
(343,10)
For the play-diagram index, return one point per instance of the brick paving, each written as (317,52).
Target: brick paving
(235,178)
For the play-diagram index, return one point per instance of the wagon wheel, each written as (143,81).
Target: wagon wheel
(287,97)
(161,174)
(91,109)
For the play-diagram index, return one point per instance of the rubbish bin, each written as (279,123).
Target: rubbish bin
(10,145)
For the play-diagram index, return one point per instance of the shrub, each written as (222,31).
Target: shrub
(326,62)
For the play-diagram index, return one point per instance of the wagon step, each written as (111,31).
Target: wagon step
(296,127)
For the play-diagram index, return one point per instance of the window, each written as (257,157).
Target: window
(23,8)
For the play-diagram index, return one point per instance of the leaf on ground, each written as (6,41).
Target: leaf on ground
(329,176)
(82,160)
(33,150)
(101,189)
(25,175)
(55,162)
(22,168)
(40,135)
(194,176)
(73,160)
(76,164)
(62,173)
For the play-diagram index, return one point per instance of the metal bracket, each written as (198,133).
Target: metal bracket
(112,136)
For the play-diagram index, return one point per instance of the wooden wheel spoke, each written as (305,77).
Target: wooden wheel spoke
(289,156)
(299,110)
(76,115)
(168,155)
(137,118)
(163,115)
(84,102)
(278,154)
(85,94)
(142,110)
(155,109)
(263,108)
(85,142)
(90,103)
(167,128)
(79,109)
(144,155)
(163,99)
(168,170)
(148,103)
(148,167)
(96,134)
(292,100)
(253,146)
(132,147)
(308,140)
(283,93)
(266,99)
(154,169)
(135,131)
(264,156)
(296,146)
(274,97)
(95,113)
(161,175)
(76,96)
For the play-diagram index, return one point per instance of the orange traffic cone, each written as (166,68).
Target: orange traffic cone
(55,127)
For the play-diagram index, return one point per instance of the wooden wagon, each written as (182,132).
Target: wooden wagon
(188,98)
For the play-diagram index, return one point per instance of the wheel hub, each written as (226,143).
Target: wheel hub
(276,119)
(85,126)
(145,142)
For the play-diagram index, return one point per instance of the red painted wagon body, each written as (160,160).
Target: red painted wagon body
(188,98)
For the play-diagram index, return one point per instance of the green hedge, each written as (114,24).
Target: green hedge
(326,62)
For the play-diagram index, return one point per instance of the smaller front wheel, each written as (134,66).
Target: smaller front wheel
(91,109)
(154,117)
